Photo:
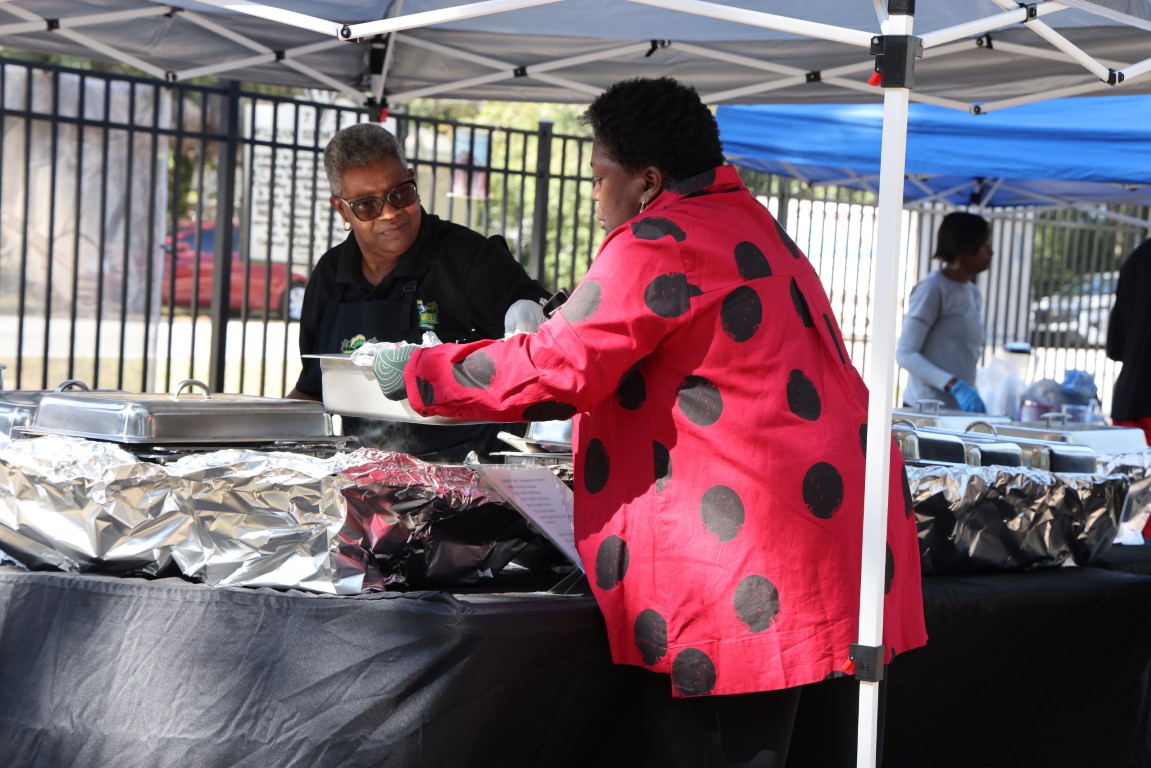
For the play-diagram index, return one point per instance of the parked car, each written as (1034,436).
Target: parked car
(284,289)
(1076,315)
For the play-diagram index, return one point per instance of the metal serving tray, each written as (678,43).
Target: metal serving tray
(1102,438)
(194,418)
(18,406)
(930,413)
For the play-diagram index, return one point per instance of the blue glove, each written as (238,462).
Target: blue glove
(388,365)
(968,398)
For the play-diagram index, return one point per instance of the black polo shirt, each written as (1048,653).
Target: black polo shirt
(456,281)
(470,279)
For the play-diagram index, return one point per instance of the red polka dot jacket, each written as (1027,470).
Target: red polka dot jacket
(719,440)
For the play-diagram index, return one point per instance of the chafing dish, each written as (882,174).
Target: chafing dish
(923,446)
(195,418)
(1102,438)
(931,413)
(18,407)
(534,458)
(550,435)
(1052,455)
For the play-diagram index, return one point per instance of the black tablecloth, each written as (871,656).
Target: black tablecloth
(1048,668)
(107,672)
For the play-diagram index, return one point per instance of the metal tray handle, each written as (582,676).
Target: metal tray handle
(189,384)
(73,384)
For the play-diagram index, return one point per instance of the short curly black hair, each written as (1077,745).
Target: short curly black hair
(656,121)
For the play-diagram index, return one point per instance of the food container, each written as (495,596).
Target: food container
(533,458)
(550,435)
(352,390)
(184,418)
(930,413)
(1101,438)
(18,407)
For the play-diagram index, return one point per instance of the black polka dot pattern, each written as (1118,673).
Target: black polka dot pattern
(653,228)
(426,390)
(799,301)
(699,400)
(908,501)
(722,513)
(802,397)
(693,673)
(475,371)
(889,571)
(835,339)
(863,438)
(788,242)
(549,411)
(741,314)
(631,392)
(669,295)
(611,561)
(751,262)
(693,184)
(662,458)
(823,490)
(756,602)
(583,303)
(651,636)
(596,466)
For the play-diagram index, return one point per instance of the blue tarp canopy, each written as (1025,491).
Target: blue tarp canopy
(1063,152)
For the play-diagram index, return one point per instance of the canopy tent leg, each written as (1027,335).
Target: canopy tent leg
(882,382)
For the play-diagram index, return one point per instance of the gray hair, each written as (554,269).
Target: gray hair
(356,146)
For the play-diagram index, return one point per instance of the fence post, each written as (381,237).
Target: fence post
(543,186)
(225,211)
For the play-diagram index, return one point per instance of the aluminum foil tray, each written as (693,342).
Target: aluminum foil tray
(352,390)
(202,417)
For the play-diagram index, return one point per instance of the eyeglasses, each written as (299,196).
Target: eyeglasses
(370,208)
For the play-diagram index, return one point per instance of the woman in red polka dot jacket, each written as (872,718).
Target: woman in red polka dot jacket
(718,432)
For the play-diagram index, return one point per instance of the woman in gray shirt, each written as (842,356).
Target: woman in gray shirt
(943,330)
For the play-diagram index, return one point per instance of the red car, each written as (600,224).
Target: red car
(284,288)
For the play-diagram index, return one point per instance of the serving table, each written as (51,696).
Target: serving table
(1047,667)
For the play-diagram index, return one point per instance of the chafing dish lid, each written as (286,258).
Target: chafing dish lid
(202,417)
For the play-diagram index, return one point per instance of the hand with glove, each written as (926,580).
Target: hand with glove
(523,316)
(388,365)
(966,396)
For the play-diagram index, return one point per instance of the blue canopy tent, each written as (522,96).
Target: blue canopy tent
(1064,152)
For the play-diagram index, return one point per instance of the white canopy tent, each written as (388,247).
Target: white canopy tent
(977,56)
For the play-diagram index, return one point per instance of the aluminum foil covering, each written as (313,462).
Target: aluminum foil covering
(1012,518)
(232,517)
(1136,509)
(344,524)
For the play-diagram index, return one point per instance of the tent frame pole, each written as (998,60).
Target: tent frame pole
(882,383)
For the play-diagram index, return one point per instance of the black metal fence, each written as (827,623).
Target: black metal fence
(121,195)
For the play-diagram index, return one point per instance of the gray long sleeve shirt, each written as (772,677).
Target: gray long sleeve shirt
(942,338)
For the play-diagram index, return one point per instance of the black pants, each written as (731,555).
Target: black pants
(814,725)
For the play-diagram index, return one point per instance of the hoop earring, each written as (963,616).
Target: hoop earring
(347,225)
(642,204)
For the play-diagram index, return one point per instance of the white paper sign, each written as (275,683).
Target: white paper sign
(541,497)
